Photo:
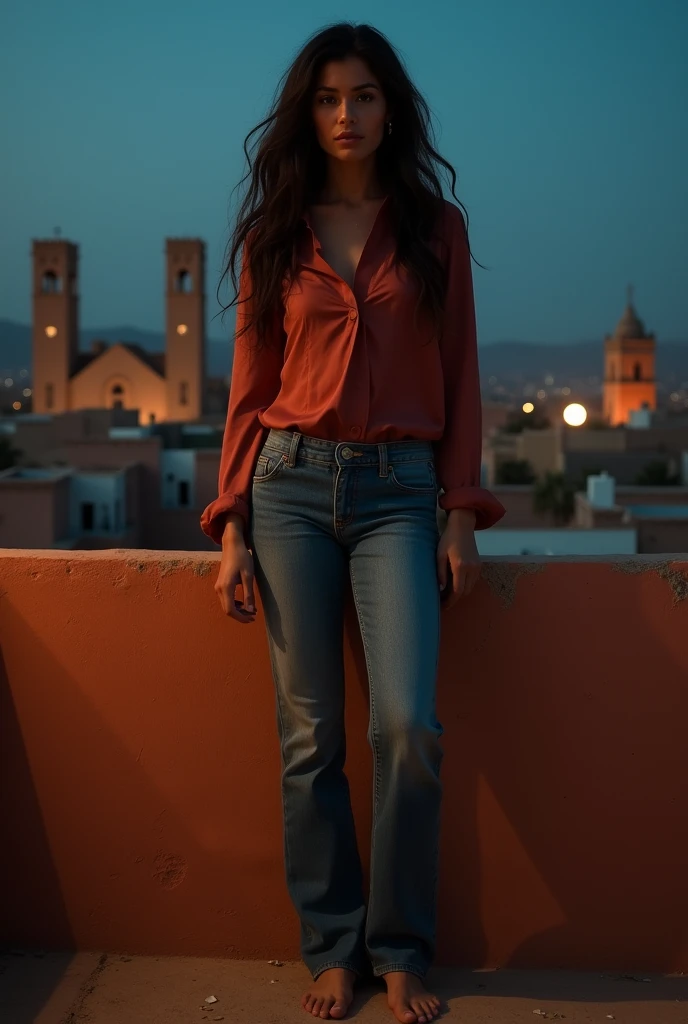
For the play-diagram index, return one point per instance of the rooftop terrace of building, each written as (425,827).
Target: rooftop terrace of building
(142,815)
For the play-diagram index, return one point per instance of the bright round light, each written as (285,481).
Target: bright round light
(575,414)
(528,406)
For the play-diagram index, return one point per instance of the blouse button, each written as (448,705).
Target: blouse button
(355,431)
(352,314)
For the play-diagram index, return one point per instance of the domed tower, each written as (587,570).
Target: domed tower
(629,367)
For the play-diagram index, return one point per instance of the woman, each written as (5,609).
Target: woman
(354,396)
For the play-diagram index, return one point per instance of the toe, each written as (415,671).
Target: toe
(325,1008)
(419,1011)
(337,1010)
(316,1006)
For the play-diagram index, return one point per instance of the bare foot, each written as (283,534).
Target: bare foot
(408,998)
(330,994)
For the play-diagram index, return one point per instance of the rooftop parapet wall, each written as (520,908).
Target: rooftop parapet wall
(141,770)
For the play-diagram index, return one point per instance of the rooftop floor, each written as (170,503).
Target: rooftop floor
(109,988)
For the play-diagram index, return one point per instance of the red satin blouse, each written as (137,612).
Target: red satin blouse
(348,365)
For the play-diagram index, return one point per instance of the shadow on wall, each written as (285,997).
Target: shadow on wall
(144,811)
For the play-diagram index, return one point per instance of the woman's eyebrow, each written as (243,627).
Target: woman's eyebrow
(354,88)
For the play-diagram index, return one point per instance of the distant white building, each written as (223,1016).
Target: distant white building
(557,541)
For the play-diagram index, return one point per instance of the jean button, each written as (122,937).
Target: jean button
(346,453)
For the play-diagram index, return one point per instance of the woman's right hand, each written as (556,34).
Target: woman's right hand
(236,567)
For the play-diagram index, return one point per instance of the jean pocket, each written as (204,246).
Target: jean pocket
(415,475)
(268,465)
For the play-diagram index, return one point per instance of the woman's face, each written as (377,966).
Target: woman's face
(348,98)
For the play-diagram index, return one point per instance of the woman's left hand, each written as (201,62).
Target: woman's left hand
(458,561)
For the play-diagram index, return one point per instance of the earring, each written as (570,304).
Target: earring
(389,127)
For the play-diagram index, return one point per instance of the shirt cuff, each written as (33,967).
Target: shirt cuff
(488,509)
(214,518)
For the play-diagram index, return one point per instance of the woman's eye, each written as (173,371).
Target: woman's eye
(361,96)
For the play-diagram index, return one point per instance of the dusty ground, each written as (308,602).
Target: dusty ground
(107,988)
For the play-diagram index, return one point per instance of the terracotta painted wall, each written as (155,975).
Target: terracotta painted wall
(140,765)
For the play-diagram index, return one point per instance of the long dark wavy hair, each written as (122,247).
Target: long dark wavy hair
(289,168)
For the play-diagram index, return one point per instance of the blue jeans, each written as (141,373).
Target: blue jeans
(321,509)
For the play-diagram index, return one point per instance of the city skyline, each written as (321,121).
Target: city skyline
(560,124)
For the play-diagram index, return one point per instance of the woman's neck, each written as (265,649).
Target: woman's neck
(351,184)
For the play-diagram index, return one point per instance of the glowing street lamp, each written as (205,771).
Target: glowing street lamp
(575,414)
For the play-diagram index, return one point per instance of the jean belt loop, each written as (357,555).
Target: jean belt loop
(291,458)
(382,449)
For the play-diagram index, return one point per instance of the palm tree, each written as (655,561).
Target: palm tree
(8,454)
(554,494)
(514,471)
(656,474)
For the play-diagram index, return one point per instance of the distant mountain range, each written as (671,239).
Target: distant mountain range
(520,361)
(507,360)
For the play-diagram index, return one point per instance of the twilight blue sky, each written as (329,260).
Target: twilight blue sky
(123,123)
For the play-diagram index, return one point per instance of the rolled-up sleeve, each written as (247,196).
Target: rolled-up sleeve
(254,386)
(458,453)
